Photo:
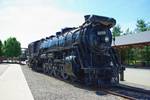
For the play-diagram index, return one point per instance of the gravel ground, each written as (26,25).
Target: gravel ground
(44,87)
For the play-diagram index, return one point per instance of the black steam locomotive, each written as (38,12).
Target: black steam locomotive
(83,53)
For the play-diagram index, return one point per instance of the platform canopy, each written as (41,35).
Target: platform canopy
(137,39)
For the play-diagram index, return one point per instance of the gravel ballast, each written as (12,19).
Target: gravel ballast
(44,87)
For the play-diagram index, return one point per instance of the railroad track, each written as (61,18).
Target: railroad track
(118,94)
(128,92)
(134,89)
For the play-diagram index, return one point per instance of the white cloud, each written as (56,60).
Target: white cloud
(28,21)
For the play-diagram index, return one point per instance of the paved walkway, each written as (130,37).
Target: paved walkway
(139,77)
(13,85)
(3,68)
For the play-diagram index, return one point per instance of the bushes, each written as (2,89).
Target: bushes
(135,56)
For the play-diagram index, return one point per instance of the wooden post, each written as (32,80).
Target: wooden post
(128,56)
(147,62)
(122,75)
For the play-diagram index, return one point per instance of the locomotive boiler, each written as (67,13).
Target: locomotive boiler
(81,53)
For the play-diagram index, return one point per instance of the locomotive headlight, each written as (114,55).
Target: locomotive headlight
(101,33)
(106,39)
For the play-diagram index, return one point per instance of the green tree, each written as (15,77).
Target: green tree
(1,45)
(145,54)
(127,31)
(141,25)
(116,31)
(12,47)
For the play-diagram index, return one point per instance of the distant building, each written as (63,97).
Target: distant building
(23,55)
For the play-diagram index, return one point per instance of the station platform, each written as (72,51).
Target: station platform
(13,85)
(137,77)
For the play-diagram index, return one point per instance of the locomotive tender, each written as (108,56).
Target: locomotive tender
(83,53)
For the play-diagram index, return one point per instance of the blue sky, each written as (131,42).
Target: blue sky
(124,11)
(29,20)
